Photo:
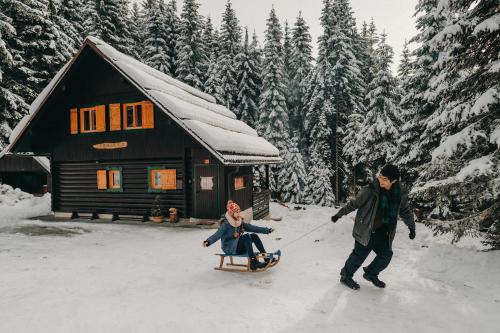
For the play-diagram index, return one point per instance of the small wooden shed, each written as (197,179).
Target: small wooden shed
(29,173)
(119,133)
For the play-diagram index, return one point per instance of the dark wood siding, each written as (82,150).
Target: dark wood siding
(261,204)
(10,163)
(243,196)
(75,187)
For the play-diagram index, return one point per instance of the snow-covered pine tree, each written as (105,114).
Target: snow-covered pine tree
(230,46)
(368,41)
(210,46)
(319,185)
(110,20)
(287,54)
(8,99)
(319,99)
(101,21)
(273,114)
(255,52)
(37,55)
(213,84)
(405,71)
(415,103)
(408,112)
(377,138)
(462,181)
(67,37)
(137,30)
(247,102)
(351,151)
(155,46)
(295,183)
(405,68)
(71,19)
(172,25)
(190,50)
(347,84)
(301,63)
(123,25)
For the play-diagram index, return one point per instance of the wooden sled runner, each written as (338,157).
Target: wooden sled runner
(245,268)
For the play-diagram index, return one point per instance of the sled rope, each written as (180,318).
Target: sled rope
(306,234)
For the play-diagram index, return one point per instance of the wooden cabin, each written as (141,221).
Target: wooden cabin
(119,133)
(31,174)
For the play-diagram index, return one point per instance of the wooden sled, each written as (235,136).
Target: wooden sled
(245,268)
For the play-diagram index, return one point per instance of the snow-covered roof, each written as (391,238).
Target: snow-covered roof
(214,126)
(43,161)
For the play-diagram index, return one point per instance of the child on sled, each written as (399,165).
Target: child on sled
(234,239)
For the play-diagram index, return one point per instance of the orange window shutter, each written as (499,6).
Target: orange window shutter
(73,119)
(82,120)
(148,115)
(100,118)
(124,116)
(169,178)
(102,182)
(115,123)
(164,179)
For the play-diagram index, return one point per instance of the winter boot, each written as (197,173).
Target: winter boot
(349,282)
(267,260)
(373,279)
(255,264)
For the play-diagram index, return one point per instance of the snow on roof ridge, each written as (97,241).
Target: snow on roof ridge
(154,72)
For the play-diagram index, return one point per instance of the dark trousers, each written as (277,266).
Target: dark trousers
(245,244)
(379,243)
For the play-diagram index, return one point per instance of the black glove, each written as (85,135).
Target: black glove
(335,218)
(270,230)
(412,234)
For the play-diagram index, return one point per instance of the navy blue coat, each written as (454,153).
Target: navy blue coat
(225,234)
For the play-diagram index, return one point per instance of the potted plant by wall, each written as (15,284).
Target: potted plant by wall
(156,213)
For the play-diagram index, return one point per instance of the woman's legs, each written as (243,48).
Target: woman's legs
(245,246)
(258,243)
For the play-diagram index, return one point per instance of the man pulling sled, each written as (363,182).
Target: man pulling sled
(378,205)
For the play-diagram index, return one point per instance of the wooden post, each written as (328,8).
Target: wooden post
(267,176)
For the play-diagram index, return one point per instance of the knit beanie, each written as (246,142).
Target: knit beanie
(390,171)
(232,207)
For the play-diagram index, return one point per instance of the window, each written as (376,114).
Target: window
(134,116)
(110,179)
(93,119)
(239,183)
(138,115)
(115,179)
(89,120)
(162,179)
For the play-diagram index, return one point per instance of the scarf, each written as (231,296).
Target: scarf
(389,205)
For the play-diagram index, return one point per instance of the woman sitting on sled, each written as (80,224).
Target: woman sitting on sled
(233,237)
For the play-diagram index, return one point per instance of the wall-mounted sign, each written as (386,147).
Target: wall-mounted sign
(111,145)
(207,183)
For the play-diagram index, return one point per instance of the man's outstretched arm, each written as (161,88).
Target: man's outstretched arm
(353,204)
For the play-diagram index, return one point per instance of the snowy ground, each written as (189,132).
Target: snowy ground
(122,278)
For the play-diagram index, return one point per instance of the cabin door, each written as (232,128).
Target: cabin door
(206,189)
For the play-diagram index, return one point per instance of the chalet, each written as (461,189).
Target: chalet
(119,133)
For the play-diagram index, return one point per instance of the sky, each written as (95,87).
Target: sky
(393,16)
